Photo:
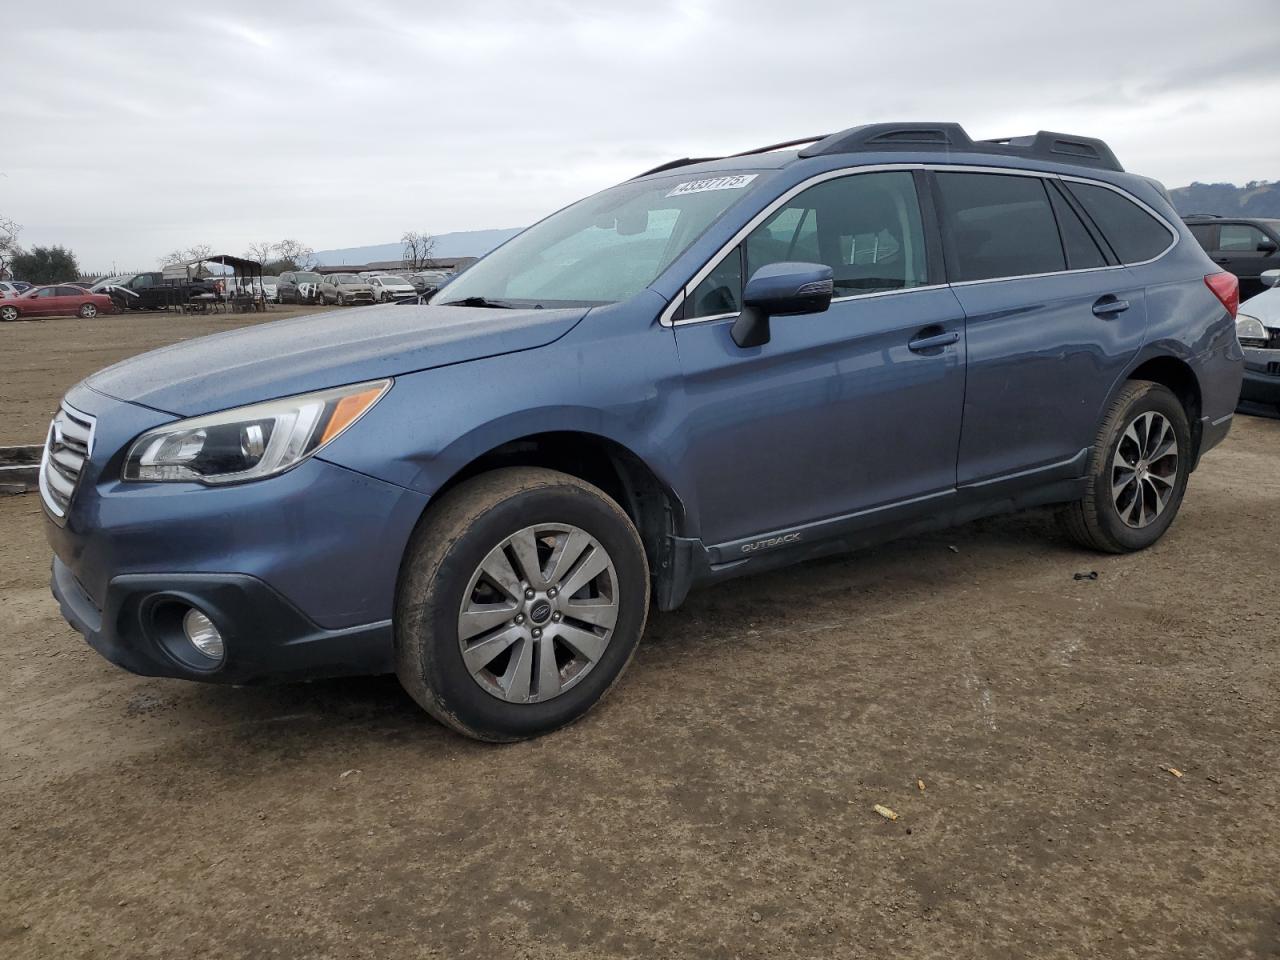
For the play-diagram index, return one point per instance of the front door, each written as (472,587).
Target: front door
(851,411)
(1246,251)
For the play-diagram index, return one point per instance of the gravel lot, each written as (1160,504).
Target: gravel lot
(720,803)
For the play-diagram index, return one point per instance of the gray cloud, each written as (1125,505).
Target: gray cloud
(133,131)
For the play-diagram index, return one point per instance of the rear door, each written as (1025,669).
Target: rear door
(851,411)
(67,300)
(1050,324)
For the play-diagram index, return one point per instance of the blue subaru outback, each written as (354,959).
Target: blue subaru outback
(716,368)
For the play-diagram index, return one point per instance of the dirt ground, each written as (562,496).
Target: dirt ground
(720,803)
(40,359)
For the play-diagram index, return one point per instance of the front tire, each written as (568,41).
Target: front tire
(8,314)
(522,598)
(1137,473)
(88,311)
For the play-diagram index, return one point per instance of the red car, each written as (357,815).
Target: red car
(62,300)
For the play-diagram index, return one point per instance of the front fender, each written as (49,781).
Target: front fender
(615,376)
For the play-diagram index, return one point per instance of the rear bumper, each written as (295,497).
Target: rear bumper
(266,637)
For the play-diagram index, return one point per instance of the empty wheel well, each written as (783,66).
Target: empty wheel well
(655,510)
(1179,378)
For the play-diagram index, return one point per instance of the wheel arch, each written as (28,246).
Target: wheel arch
(1175,373)
(652,504)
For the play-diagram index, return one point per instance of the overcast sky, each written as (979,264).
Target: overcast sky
(130,129)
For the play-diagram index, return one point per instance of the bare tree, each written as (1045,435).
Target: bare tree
(9,230)
(262,252)
(197,251)
(417,249)
(297,255)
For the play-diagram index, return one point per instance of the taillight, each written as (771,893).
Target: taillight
(1226,288)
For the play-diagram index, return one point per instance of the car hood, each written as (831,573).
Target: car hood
(1265,307)
(323,350)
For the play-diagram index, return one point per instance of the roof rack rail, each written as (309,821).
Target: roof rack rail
(1202,216)
(951,137)
(779,146)
(672,164)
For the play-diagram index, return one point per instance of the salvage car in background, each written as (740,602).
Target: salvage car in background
(1245,246)
(387,287)
(56,301)
(1258,327)
(345,288)
(298,286)
(429,281)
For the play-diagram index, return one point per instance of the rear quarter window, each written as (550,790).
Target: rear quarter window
(1133,233)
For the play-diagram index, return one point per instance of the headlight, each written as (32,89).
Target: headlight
(249,443)
(1250,329)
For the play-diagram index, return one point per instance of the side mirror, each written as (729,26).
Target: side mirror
(780,290)
(1267,246)
(1271,278)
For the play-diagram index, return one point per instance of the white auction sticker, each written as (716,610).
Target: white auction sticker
(735,182)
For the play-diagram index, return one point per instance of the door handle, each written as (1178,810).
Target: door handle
(921,344)
(1109,307)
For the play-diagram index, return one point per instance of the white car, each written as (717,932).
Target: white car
(8,289)
(387,288)
(1258,327)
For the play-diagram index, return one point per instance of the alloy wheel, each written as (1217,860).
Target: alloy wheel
(538,613)
(8,313)
(1144,469)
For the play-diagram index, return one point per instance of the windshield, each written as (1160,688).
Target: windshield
(307,277)
(270,280)
(346,278)
(603,249)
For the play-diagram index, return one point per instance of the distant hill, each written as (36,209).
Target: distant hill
(1261,198)
(467,243)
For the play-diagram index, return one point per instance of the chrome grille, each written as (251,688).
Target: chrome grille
(68,446)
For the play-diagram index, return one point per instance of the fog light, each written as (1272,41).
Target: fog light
(204,636)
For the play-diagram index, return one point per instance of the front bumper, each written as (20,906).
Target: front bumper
(1261,376)
(266,637)
(297,571)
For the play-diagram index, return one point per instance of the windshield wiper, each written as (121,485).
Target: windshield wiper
(477,302)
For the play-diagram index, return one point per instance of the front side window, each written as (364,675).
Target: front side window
(998,225)
(1240,238)
(1134,234)
(603,249)
(866,227)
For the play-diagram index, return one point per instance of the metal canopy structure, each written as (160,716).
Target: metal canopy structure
(243,288)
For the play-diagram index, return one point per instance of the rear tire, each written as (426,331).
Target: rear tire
(1137,472)
(552,664)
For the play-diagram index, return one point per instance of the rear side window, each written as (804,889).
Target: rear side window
(1082,251)
(1133,233)
(998,225)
